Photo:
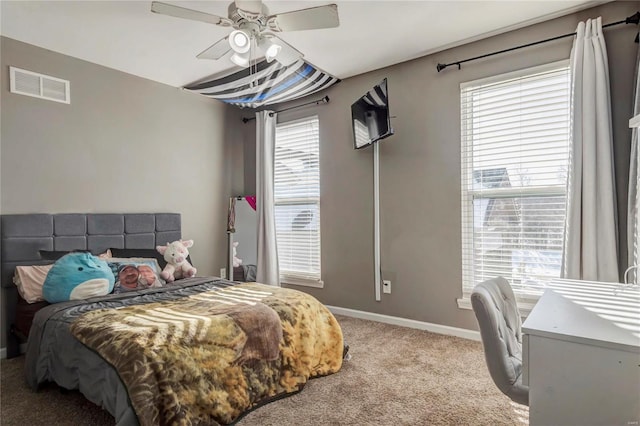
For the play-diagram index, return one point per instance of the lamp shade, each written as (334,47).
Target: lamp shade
(270,48)
(240,59)
(240,41)
(271,52)
(276,48)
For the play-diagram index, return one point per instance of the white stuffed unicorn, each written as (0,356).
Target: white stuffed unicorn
(236,260)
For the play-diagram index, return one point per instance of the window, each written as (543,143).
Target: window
(515,157)
(297,201)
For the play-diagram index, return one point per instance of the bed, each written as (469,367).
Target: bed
(201,351)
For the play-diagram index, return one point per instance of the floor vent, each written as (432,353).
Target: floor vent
(40,86)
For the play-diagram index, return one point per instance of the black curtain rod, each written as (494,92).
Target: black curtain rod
(316,102)
(633,19)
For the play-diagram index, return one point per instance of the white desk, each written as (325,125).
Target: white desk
(581,355)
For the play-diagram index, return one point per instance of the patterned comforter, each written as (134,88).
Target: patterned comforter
(210,355)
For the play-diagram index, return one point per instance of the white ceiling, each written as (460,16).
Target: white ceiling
(126,36)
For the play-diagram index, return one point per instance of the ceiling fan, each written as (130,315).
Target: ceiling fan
(253,26)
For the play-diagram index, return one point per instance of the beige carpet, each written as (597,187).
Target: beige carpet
(397,376)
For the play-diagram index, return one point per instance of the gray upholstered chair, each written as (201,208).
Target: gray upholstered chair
(495,307)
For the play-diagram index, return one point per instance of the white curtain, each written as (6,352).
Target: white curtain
(591,235)
(633,213)
(267,263)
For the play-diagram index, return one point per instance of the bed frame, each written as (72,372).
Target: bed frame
(24,235)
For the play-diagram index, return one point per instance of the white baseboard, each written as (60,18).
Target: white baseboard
(3,351)
(404,322)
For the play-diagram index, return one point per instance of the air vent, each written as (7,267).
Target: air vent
(40,86)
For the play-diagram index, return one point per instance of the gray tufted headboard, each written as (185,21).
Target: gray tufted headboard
(24,235)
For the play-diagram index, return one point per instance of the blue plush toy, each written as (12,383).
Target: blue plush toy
(77,276)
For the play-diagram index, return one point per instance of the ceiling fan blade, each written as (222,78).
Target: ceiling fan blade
(194,15)
(305,19)
(216,50)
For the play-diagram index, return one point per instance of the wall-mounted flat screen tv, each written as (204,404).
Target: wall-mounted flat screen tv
(370,116)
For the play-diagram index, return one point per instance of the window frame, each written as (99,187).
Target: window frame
(526,298)
(290,277)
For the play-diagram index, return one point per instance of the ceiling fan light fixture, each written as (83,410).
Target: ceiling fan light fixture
(272,52)
(251,18)
(240,59)
(270,48)
(240,41)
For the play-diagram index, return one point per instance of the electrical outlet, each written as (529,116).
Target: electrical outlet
(386,286)
(223,273)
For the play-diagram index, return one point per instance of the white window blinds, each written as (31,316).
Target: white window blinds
(297,200)
(515,153)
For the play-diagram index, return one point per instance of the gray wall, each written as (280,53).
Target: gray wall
(420,169)
(124,144)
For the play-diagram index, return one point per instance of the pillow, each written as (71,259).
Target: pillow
(55,255)
(77,276)
(29,280)
(145,253)
(150,253)
(132,274)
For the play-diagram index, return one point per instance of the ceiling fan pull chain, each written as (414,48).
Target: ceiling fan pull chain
(252,65)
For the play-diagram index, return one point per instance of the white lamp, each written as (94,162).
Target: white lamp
(269,47)
(276,48)
(240,59)
(240,41)
(272,52)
